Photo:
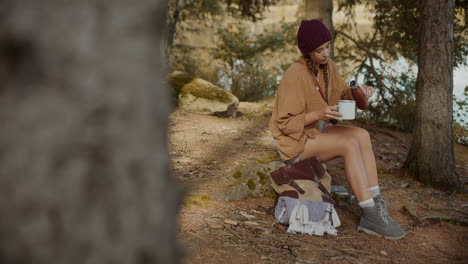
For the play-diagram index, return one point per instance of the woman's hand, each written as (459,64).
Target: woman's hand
(327,113)
(330,112)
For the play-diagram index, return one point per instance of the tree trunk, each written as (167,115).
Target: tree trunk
(323,10)
(172,21)
(431,156)
(84,168)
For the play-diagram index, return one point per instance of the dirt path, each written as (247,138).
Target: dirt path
(205,149)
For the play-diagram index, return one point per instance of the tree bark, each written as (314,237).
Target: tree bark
(172,21)
(84,167)
(431,156)
(322,10)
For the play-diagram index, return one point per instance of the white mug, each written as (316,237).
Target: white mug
(347,108)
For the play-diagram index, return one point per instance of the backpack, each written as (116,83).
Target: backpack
(304,201)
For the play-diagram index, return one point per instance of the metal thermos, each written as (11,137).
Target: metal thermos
(359,95)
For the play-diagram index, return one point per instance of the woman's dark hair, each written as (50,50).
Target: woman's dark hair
(314,69)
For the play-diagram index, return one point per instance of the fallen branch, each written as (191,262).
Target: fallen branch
(288,245)
(232,232)
(193,233)
(345,250)
(289,248)
(346,253)
(306,261)
(346,237)
(342,257)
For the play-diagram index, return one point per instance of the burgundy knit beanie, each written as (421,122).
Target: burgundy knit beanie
(311,34)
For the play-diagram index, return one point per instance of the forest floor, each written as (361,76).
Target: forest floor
(205,149)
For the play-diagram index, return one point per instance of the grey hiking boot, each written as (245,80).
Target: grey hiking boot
(376,220)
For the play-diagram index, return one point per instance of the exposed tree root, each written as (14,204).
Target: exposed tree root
(431,208)
(408,210)
(418,220)
(452,219)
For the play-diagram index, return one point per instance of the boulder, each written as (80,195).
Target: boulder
(200,96)
(251,179)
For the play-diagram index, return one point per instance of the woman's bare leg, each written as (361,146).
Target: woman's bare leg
(328,146)
(365,145)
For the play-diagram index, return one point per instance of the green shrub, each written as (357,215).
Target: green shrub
(460,116)
(249,81)
(460,133)
(243,72)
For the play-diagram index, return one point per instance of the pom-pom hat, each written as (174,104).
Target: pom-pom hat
(311,35)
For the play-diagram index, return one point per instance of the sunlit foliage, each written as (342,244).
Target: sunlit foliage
(385,57)
(244,71)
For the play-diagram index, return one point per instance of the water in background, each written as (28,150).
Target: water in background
(460,81)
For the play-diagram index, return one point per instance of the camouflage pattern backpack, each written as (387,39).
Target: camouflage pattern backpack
(304,202)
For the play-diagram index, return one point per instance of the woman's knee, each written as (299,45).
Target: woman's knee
(349,144)
(362,135)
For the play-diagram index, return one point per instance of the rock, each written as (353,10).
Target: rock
(202,97)
(234,193)
(251,179)
(177,80)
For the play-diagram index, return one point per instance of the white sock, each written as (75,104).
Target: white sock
(375,190)
(367,203)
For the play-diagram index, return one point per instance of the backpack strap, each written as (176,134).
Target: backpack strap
(318,168)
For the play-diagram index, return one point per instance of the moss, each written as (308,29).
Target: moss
(251,184)
(267,159)
(177,80)
(263,176)
(205,110)
(197,200)
(248,116)
(208,91)
(386,176)
(237,174)
(270,193)
(336,197)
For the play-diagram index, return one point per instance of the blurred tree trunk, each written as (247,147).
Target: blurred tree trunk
(84,168)
(323,10)
(431,156)
(172,20)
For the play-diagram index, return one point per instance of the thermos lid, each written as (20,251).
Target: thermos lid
(353,84)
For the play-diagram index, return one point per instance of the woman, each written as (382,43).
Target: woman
(305,103)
